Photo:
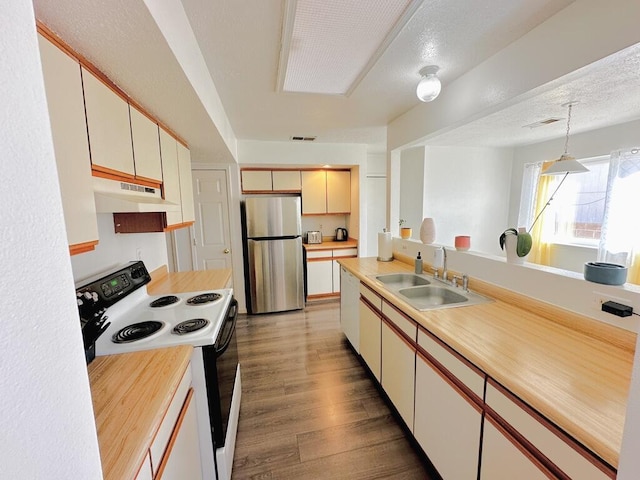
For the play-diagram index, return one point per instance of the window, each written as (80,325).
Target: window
(576,213)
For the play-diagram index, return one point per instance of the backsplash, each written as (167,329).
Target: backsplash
(117,249)
(327,224)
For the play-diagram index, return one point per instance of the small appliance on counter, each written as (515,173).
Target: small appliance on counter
(313,236)
(342,235)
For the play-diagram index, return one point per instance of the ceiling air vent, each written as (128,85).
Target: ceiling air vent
(542,123)
(303,139)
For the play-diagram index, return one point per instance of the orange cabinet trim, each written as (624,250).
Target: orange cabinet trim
(178,226)
(607,469)
(472,399)
(82,247)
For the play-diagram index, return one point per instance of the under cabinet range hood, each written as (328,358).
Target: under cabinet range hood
(112,196)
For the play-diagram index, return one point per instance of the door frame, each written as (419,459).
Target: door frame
(232,172)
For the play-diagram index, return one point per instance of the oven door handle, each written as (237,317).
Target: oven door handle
(231,316)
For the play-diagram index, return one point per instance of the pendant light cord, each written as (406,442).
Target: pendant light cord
(566,139)
(548,201)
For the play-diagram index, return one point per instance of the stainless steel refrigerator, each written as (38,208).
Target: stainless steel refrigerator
(273,251)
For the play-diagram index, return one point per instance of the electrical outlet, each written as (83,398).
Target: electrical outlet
(599,298)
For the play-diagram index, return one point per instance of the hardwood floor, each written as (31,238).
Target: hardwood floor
(309,410)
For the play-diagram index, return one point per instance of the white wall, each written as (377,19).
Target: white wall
(300,153)
(116,249)
(46,415)
(412,188)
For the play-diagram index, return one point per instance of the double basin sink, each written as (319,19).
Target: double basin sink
(427,293)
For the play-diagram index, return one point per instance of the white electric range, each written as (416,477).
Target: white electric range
(119,316)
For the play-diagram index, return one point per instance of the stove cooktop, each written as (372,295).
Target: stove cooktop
(146,322)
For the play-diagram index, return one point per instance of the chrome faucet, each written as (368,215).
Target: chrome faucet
(444,264)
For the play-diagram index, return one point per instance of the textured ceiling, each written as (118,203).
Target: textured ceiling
(240,42)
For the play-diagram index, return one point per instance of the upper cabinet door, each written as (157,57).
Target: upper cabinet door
(286,180)
(338,191)
(314,192)
(63,87)
(108,126)
(186,184)
(146,146)
(256,181)
(170,175)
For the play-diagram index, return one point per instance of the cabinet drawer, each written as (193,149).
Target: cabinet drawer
(161,440)
(345,252)
(566,455)
(318,254)
(405,324)
(467,375)
(370,295)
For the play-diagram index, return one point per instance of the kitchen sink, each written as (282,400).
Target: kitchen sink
(401,280)
(429,297)
(427,293)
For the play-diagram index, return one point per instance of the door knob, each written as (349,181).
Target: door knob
(226,250)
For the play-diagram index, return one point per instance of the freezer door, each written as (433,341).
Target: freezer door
(273,216)
(275,275)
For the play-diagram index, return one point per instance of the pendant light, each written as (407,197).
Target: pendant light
(429,86)
(566,163)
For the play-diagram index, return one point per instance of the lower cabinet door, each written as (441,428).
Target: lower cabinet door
(398,372)
(145,472)
(181,460)
(319,277)
(502,460)
(370,338)
(447,424)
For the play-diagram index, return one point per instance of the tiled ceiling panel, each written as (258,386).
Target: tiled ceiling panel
(333,41)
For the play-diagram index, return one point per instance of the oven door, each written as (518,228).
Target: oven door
(220,365)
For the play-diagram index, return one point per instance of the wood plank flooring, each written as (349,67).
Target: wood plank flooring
(309,410)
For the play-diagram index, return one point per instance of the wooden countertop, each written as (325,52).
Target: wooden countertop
(572,369)
(164,283)
(331,245)
(131,393)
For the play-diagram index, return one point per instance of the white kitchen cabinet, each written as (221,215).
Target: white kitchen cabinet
(349,307)
(286,180)
(145,472)
(319,277)
(329,283)
(182,457)
(63,85)
(256,180)
(326,192)
(314,192)
(502,459)
(447,421)
(109,127)
(186,184)
(370,332)
(146,146)
(170,175)
(561,450)
(338,191)
(398,371)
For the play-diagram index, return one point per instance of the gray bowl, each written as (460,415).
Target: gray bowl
(606,273)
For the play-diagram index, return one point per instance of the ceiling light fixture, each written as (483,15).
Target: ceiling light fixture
(429,85)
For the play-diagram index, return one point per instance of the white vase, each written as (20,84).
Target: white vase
(428,231)
(510,244)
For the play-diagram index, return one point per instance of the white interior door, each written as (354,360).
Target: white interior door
(212,244)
